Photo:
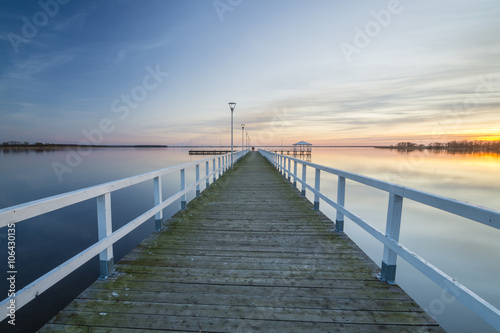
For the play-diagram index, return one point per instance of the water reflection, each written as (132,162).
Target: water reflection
(463,249)
(464,152)
(46,241)
(27,150)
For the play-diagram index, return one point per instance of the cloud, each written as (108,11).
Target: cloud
(138,48)
(281,64)
(27,71)
(74,22)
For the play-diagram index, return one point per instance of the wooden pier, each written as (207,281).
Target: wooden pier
(250,254)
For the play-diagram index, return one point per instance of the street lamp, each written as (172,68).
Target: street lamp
(232,105)
(242,135)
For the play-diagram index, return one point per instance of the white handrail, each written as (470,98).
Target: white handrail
(390,239)
(103,247)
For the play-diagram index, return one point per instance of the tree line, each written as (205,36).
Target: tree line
(36,145)
(478,145)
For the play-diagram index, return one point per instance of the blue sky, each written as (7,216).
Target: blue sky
(324,71)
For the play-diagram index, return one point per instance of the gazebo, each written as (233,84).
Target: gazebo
(302,147)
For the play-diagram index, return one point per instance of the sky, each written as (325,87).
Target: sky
(324,71)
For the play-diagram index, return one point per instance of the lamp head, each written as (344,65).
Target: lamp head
(232,105)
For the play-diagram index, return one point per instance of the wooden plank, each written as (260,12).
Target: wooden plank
(347,302)
(121,286)
(249,254)
(246,311)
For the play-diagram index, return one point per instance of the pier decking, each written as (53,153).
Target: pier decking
(250,254)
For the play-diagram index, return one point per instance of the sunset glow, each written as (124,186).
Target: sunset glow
(162,72)
(488,138)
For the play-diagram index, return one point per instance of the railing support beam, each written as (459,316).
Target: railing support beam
(393,226)
(213,167)
(158,200)
(339,220)
(295,174)
(317,188)
(183,187)
(104,229)
(289,168)
(304,176)
(207,172)
(197,180)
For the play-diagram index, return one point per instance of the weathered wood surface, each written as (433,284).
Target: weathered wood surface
(249,255)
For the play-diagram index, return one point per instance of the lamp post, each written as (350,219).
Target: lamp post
(232,105)
(242,136)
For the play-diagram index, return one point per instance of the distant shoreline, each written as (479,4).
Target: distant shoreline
(437,149)
(56,146)
(59,147)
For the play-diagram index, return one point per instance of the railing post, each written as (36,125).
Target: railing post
(207,171)
(316,187)
(158,200)
(289,168)
(284,167)
(339,221)
(183,187)
(304,169)
(393,225)
(197,180)
(213,166)
(104,229)
(295,174)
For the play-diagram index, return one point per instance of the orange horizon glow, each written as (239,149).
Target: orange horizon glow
(488,138)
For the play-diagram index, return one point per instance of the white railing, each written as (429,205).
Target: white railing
(104,247)
(390,239)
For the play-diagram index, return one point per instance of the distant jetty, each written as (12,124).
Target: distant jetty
(208,152)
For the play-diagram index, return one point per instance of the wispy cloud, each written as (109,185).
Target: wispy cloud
(74,22)
(27,70)
(138,48)
(281,64)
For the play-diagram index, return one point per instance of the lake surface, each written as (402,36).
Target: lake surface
(465,250)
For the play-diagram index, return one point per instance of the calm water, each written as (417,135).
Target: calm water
(465,250)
